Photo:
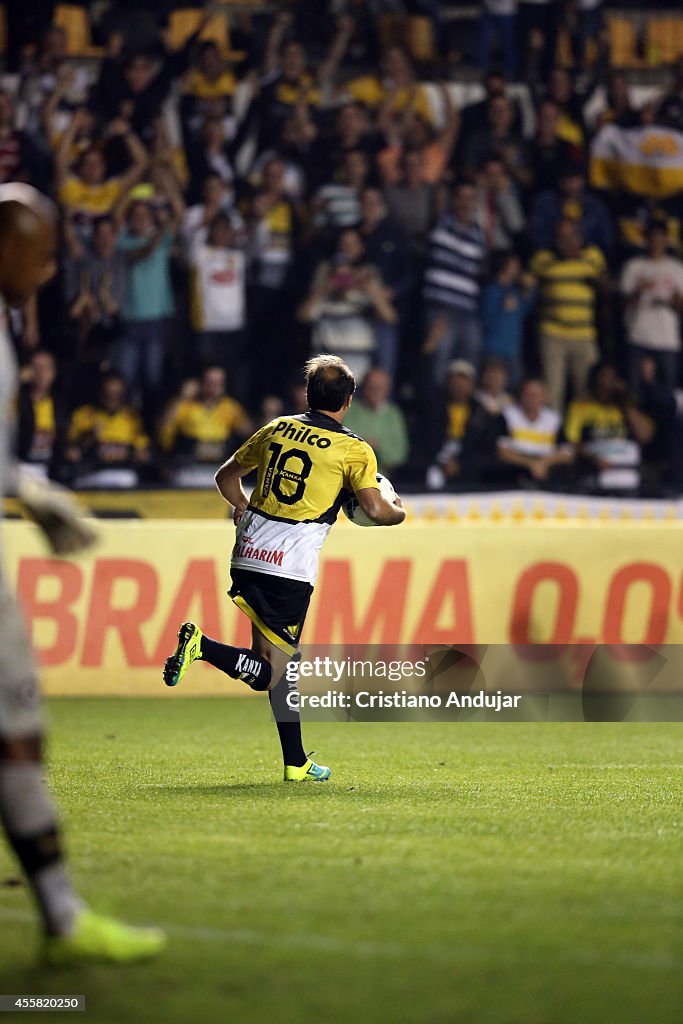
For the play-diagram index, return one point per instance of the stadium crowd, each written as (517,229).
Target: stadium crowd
(231,207)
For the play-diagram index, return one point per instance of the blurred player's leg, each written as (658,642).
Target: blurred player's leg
(73,934)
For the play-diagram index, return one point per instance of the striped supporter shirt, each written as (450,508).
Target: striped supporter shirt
(567,293)
(454,266)
(540,437)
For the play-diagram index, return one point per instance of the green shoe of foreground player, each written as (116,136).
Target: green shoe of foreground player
(188,650)
(98,939)
(309,772)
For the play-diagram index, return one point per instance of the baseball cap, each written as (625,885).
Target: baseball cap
(463,367)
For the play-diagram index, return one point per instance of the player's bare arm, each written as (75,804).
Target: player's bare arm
(229,483)
(381,511)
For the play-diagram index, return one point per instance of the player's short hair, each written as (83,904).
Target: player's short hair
(329,383)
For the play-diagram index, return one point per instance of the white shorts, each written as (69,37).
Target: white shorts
(20,710)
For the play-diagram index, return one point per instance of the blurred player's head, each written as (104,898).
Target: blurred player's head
(28,236)
(329,385)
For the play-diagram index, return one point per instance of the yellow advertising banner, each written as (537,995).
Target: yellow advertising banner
(106,623)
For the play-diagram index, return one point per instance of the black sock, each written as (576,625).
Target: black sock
(238,662)
(288,721)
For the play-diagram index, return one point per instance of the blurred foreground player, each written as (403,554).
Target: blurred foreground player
(73,934)
(307,466)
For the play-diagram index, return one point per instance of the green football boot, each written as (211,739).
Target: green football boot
(188,650)
(309,772)
(99,939)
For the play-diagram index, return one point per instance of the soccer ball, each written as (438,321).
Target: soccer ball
(355,514)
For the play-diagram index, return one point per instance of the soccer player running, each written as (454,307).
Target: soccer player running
(73,934)
(307,467)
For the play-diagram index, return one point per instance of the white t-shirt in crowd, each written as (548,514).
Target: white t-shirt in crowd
(652,322)
(218,288)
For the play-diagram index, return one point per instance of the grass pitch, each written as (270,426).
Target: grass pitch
(449,874)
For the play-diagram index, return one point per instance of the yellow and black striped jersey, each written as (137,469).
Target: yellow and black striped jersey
(306,468)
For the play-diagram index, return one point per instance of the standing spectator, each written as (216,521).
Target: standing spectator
(571,279)
(550,154)
(346,302)
(130,87)
(352,131)
(211,153)
(219,303)
(653,288)
(410,132)
(20,158)
(533,446)
(499,138)
(41,419)
(106,442)
(379,421)
(571,201)
(506,303)
(499,210)
(446,468)
(499,19)
(272,247)
(148,299)
(571,126)
(538,24)
(670,109)
(336,204)
(95,288)
(479,456)
(608,431)
(287,82)
(589,24)
(86,192)
(208,81)
(386,248)
(413,203)
(199,430)
(452,283)
(397,91)
(217,197)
